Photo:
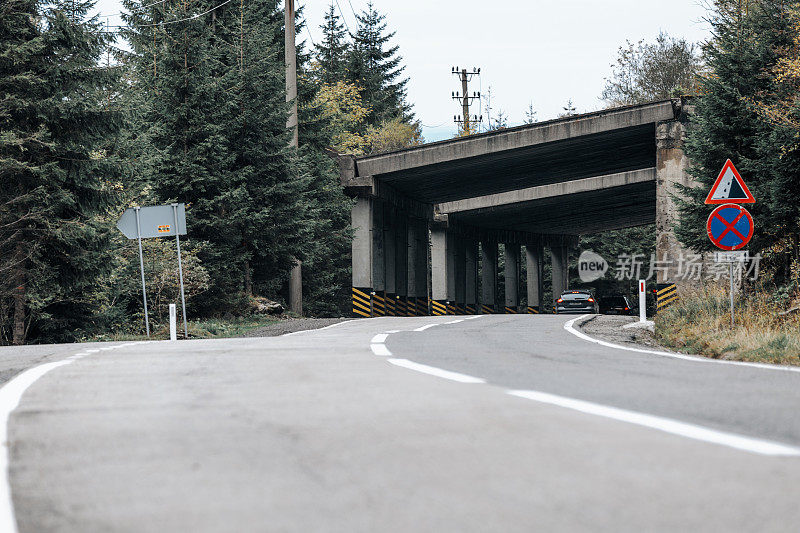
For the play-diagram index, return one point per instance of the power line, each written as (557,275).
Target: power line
(344,19)
(169,22)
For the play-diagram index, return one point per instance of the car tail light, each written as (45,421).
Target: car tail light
(560,300)
(591,300)
(627,308)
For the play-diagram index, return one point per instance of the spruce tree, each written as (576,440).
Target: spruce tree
(57,128)
(726,125)
(217,127)
(377,70)
(331,53)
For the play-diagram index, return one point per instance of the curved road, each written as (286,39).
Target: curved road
(372,426)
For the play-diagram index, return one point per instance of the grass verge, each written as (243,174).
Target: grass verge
(213,328)
(700,323)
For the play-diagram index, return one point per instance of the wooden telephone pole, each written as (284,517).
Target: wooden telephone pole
(296,276)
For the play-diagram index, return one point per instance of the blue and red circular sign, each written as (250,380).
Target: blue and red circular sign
(730,227)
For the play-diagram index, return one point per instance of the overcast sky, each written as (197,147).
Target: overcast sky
(538,51)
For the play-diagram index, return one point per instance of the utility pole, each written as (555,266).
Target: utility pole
(296,276)
(465,99)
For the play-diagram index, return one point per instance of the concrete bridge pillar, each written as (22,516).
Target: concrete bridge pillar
(417,267)
(390,246)
(369,268)
(471,281)
(533,263)
(671,166)
(560,259)
(401,266)
(442,271)
(488,277)
(512,269)
(461,275)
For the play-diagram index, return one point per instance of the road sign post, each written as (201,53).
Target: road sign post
(730,226)
(151,222)
(141,267)
(180,271)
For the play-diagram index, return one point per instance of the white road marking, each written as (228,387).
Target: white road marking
(438,372)
(381,350)
(319,329)
(92,351)
(429,326)
(474,317)
(569,326)
(10,395)
(691,431)
(455,321)
(379,339)
(393,331)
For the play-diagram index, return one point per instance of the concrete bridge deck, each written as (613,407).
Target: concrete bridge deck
(538,185)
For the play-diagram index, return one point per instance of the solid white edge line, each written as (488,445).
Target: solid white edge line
(438,372)
(666,425)
(570,327)
(381,338)
(10,395)
(381,350)
(455,321)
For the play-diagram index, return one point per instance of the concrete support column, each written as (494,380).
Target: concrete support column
(560,259)
(488,277)
(512,269)
(417,267)
(671,165)
(461,275)
(361,220)
(533,263)
(401,266)
(390,259)
(471,281)
(442,270)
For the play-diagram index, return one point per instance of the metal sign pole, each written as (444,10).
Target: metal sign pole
(733,321)
(141,267)
(180,270)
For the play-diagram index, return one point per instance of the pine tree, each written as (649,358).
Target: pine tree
(331,53)
(377,70)
(57,128)
(727,125)
(217,125)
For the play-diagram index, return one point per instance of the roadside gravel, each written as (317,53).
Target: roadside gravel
(293,325)
(609,328)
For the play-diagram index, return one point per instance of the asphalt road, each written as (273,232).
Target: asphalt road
(315,432)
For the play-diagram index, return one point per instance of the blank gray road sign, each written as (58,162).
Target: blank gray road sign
(155,221)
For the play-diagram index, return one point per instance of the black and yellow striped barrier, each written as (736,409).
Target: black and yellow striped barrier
(390,304)
(361,302)
(666,295)
(422,307)
(510,311)
(451,308)
(439,307)
(400,306)
(471,309)
(533,310)
(378,304)
(487,309)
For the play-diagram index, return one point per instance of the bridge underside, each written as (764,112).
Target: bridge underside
(537,185)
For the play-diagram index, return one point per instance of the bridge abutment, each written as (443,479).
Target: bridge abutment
(511,275)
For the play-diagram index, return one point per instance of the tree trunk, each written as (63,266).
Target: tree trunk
(248,279)
(19,300)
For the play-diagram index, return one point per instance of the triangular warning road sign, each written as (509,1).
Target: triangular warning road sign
(730,188)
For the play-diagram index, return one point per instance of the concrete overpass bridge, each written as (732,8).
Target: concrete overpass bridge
(428,220)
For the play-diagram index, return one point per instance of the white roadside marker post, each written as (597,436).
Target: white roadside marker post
(180,271)
(642,302)
(173,327)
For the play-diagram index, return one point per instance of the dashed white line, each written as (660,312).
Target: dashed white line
(381,350)
(429,326)
(455,321)
(438,372)
(691,431)
(569,326)
(377,339)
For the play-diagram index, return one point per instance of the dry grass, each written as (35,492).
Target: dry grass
(700,324)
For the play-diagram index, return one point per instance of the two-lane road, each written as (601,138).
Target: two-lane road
(369,426)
